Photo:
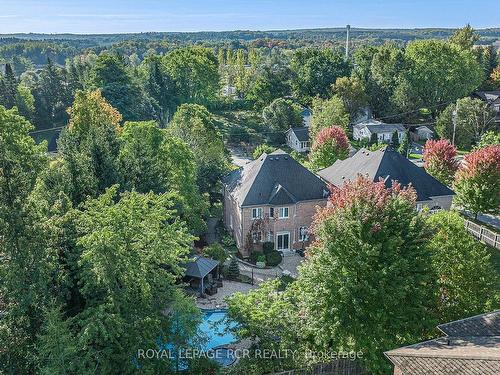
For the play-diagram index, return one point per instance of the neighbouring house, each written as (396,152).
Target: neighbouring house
(384,132)
(423,133)
(306,114)
(493,100)
(389,165)
(272,198)
(469,346)
(298,139)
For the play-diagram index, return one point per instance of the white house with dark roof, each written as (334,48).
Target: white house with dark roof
(272,198)
(298,139)
(390,165)
(424,133)
(384,132)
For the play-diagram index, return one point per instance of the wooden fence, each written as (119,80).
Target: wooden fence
(338,367)
(483,234)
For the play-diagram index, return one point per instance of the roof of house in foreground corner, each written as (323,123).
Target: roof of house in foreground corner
(386,164)
(375,126)
(480,325)
(472,348)
(275,179)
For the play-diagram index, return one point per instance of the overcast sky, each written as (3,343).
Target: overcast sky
(120,16)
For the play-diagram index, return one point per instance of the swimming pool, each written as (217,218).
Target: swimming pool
(214,328)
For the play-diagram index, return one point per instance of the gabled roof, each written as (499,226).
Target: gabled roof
(480,325)
(424,129)
(375,126)
(302,133)
(447,356)
(275,179)
(488,96)
(472,348)
(386,164)
(200,266)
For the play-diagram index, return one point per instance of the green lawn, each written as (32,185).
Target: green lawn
(415,156)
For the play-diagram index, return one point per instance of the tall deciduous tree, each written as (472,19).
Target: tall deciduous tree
(195,73)
(438,72)
(465,275)
(130,249)
(327,113)
(194,125)
(466,121)
(476,182)
(464,37)
(330,145)
(368,284)
(25,264)
(353,95)
(314,71)
(280,116)
(90,145)
(440,160)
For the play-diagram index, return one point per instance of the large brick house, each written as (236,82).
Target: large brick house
(273,198)
(389,165)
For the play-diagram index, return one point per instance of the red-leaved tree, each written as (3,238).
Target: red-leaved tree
(477,182)
(329,145)
(440,160)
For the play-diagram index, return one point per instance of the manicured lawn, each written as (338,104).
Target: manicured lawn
(415,156)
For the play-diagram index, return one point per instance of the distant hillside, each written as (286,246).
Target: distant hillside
(380,35)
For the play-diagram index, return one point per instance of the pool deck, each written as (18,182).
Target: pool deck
(217,301)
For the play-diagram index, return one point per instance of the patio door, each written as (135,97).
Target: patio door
(283,241)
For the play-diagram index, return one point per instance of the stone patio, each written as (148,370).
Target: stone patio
(217,301)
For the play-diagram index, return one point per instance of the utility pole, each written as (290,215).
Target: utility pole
(454,118)
(348,27)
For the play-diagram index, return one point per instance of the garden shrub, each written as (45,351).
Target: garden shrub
(273,258)
(267,247)
(216,252)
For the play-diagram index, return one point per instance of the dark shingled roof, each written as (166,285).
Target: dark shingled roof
(479,325)
(199,266)
(386,164)
(302,133)
(275,179)
(449,355)
(488,96)
(379,127)
(471,347)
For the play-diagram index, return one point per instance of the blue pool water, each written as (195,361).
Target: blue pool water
(214,328)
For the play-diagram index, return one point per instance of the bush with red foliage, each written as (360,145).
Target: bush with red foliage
(477,182)
(440,160)
(330,144)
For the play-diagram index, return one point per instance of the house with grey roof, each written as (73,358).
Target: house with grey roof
(384,132)
(272,198)
(469,346)
(493,100)
(298,139)
(389,165)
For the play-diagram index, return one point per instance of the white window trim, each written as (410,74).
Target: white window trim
(259,213)
(287,213)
